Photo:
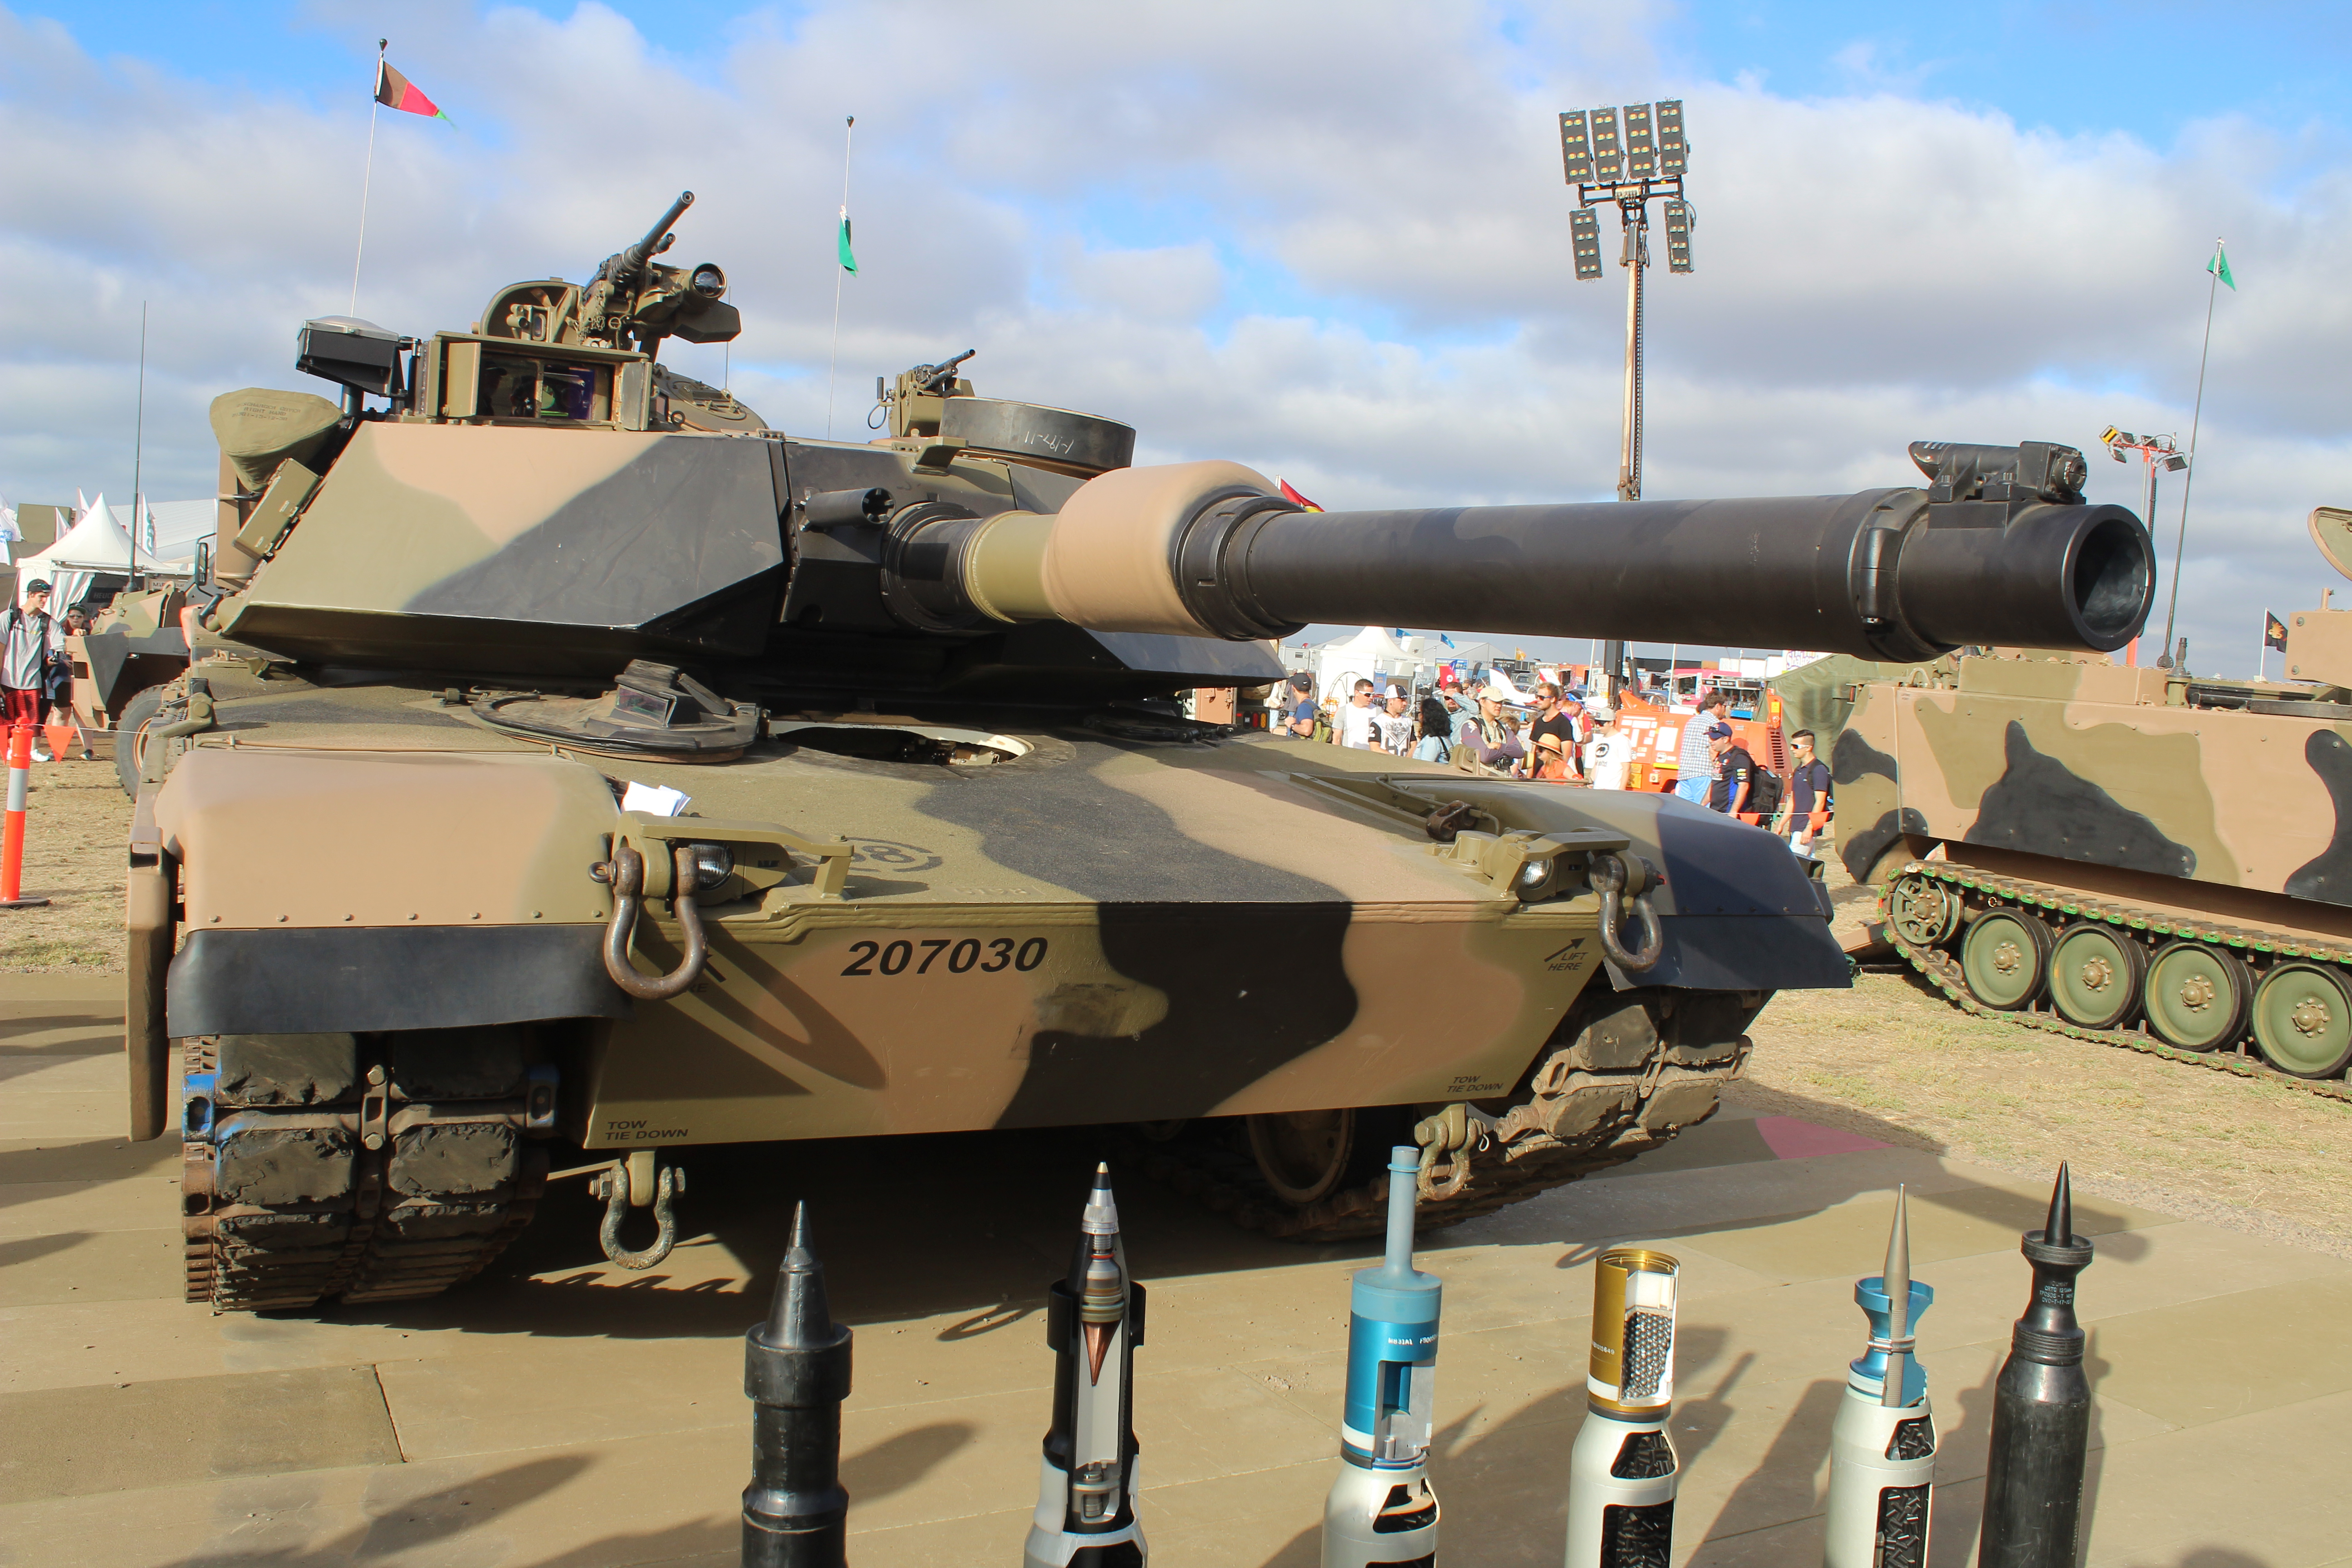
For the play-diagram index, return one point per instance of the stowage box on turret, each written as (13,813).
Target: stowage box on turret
(407,888)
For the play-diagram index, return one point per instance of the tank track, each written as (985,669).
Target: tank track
(366,1197)
(1944,969)
(1622,1076)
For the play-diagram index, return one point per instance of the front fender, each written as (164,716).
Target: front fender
(331,891)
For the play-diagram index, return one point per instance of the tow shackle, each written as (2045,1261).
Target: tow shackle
(1621,885)
(626,872)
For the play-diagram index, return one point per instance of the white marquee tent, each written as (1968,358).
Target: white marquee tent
(94,545)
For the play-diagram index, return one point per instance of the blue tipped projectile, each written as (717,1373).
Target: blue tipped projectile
(1883,1443)
(1380,1510)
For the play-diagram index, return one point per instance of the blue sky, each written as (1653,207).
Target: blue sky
(1327,239)
(2147,69)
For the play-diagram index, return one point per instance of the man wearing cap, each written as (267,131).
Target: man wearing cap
(1491,741)
(1734,772)
(1298,716)
(31,639)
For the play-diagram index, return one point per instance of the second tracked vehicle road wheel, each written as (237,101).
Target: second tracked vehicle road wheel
(1924,912)
(2094,976)
(2005,957)
(2303,1020)
(2196,995)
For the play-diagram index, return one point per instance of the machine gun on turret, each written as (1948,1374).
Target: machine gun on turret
(634,298)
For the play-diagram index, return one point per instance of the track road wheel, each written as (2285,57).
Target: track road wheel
(1303,1155)
(133,718)
(2005,957)
(1923,911)
(2094,976)
(2196,995)
(2303,1020)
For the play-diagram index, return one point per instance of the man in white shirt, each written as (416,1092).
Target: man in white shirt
(25,645)
(1359,721)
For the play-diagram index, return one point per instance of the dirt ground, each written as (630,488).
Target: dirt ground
(1892,1059)
(77,822)
(1889,1058)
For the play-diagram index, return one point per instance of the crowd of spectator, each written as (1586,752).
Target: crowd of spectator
(1553,743)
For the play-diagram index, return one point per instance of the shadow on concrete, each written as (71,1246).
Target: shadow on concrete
(428,1519)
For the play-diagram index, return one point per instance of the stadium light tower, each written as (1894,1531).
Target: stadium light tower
(1631,170)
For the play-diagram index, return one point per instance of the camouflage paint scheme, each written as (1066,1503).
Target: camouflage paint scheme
(1096,930)
(2108,774)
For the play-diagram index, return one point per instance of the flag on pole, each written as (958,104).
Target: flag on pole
(395,90)
(2273,631)
(2220,266)
(1293,497)
(848,261)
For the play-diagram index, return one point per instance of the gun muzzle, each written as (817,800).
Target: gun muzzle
(1207,550)
(651,245)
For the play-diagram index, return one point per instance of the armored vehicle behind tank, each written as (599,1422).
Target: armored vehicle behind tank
(409,893)
(2132,855)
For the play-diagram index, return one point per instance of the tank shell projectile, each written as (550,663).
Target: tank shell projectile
(1623,1473)
(1883,1443)
(1087,1479)
(2041,1410)
(796,1372)
(1382,1509)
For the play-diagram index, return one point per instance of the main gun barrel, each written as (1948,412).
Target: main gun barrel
(1205,549)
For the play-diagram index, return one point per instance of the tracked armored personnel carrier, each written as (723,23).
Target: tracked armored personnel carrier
(605,769)
(2134,856)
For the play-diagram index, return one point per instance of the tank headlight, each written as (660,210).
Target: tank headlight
(1534,875)
(707,282)
(713,864)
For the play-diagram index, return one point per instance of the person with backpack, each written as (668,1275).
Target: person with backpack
(31,650)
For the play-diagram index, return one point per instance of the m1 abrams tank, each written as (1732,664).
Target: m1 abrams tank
(408,890)
(2133,855)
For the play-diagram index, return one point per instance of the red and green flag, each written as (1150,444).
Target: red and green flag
(395,90)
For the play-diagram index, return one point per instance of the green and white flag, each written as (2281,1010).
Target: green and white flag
(2219,266)
(848,261)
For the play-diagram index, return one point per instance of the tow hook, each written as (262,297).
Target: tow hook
(1621,883)
(612,1186)
(626,872)
(1453,1134)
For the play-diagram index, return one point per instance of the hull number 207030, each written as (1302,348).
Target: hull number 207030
(954,957)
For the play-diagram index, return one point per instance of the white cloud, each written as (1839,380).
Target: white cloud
(1328,240)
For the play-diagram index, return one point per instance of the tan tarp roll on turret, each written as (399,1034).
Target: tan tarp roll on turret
(258,428)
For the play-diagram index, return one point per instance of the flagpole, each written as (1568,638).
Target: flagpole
(2212,290)
(375,107)
(139,439)
(833,358)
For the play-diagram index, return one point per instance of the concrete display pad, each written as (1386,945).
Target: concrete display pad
(561,1413)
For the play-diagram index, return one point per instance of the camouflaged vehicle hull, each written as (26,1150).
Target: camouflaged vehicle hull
(1100,930)
(2118,854)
